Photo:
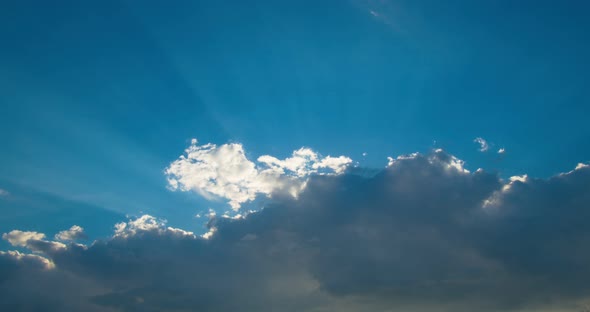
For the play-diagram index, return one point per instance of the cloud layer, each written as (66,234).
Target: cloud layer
(423,234)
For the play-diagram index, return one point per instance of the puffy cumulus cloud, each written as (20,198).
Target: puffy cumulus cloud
(20,238)
(415,236)
(483,144)
(304,162)
(33,241)
(148,224)
(75,233)
(226,172)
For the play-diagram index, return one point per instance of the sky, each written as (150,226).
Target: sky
(320,154)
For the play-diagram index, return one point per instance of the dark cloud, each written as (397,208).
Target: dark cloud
(421,235)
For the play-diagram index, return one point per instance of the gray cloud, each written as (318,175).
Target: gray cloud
(421,235)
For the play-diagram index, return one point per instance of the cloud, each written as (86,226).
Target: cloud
(20,238)
(4,193)
(415,236)
(148,224)
(33,241)
(501,151)
(27,260)
(438,158)
(483,144)
(225,171)
(76,232)
(33,283)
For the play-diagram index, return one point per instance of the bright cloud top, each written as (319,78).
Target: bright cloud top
(437,157)
(32,240)
(225,171)
(76,232)
(20,238)
(147,223)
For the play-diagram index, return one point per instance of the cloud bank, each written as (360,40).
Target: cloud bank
(423,234)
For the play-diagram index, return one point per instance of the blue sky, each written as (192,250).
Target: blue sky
(100,102)
(98,99)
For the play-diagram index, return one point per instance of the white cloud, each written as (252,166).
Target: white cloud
(74,233)
(225,171)
(147,224)
(521,178)
(333,164)
(495,200)
(390,161)
(209,233)
(579,166)
(439,157)
(501,151)
(305,162)
(4,192)
(20,238)
(33,241)
(483,144)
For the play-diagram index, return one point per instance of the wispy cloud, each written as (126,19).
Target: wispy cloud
(483,144)
(387,12)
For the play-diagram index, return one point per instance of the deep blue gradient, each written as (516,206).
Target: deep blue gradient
(98,98)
